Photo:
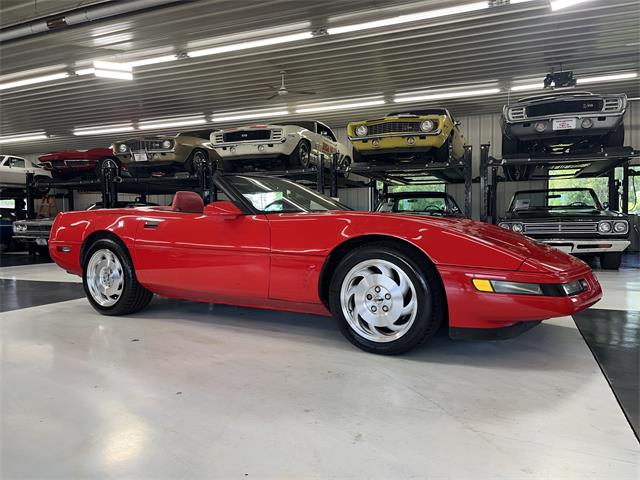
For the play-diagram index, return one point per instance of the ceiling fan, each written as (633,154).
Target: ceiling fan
(282,90)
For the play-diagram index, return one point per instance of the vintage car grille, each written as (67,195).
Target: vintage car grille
(394,127)
(517,113)
(560,227)
(612,104)
(568,106)
(248,136)
(148,145)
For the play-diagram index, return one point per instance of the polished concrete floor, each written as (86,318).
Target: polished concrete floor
(185,390)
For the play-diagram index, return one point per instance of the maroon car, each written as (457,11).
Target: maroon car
(79,163)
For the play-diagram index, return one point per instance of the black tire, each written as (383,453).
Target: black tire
(616,138)
(196,161)
(345,163)
(518,173)
(442,153)
(301,156)
(102,163)
(357,156)
(611,261)
(43,190)
(510,146)
(429,295)
(134,296)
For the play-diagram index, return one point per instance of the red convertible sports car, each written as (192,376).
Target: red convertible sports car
(390,280)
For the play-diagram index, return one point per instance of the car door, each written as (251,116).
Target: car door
(203,257)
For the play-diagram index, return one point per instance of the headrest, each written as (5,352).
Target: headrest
(188,202)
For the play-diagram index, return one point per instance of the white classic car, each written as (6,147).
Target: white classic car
(296,145)
(13,170)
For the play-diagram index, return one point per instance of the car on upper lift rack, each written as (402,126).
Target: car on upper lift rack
(164,154)
(560,123)
(437,204)
(13,171)
(293,145)
(79,163)
(408,136)
(572,220)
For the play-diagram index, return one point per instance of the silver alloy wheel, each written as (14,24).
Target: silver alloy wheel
(105,277)
(198,161)
(379,300)
(304,154)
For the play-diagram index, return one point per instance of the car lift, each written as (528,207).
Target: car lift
(356,175)
(583,166)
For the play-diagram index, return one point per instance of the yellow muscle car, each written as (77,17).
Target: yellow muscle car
(408,136)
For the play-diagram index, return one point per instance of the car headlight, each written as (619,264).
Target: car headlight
(361,130)
(427,126)
(122,148)
(517,227)
(505,225)
(166,144)
(604,227)
(620,227)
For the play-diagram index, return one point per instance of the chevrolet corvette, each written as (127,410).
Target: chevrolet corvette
(390,280)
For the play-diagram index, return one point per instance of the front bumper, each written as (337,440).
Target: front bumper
(259,149)
(575,246)
(525,130)
(69,166)
(396,142)
(470,308)
(153,158)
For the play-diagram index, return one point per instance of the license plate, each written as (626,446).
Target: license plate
(140,157)
(41,242)
(564,123)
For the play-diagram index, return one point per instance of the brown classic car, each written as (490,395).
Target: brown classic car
(186,151)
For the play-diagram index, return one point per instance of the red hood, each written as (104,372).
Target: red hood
(539,257)
(91,154)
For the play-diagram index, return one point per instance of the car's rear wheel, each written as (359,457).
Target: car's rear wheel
(611,261)
(110,282)
(301,156)
(385,301)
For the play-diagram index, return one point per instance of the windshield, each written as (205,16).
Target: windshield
(427,204)
(555,199)
(282,196)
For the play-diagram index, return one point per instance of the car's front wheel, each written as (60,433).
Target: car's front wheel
(110,282)
(611,261)
(385,300)
(301,156)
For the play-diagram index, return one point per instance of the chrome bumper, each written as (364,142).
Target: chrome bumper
(588,246)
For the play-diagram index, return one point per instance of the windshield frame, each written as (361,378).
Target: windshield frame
(591,192)
(248,208)
(452,207)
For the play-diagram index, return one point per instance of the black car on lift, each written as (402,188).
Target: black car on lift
(572,220)
(439,204)
(559,123)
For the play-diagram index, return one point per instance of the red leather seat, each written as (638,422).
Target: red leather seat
(188,202)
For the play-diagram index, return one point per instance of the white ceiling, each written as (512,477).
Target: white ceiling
(494,46)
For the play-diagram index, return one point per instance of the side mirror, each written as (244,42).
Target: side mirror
(605,205)
(222,209)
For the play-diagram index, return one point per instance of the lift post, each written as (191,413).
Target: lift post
(333,176)
(31,207)
(467,171)
(484,182)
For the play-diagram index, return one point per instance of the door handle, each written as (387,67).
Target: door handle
(150,224)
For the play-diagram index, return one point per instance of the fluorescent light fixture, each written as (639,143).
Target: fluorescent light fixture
(32,80)
(560,4)
(24,137)
(401,98)
(413,17)
(608,78)
(172,122)
(340,106)
(246,115)
(113,74)
(85,71)
(252,44)
(100,129)
(153,60)
(527,86)
(120,67)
